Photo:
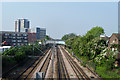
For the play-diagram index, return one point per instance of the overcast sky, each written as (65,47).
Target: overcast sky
(60,18)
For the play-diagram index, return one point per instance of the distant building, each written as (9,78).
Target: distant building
(31,37)
(114,43)
(106,38)
(40,32)
(29,30)
(13,38)
(114,39)
(22,25)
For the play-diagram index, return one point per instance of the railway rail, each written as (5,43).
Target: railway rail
(62,71)
(45,65)
(76,68)
(88,68)
(27,73)
(85,76)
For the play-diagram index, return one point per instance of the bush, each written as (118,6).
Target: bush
(83,64)
(6,61)
(103,72)
(20,56)
(11,51)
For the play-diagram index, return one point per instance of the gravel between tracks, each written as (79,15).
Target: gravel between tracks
(49,71)
(89,73)
(69,68)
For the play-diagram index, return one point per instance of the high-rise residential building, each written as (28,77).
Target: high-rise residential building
(22,25)
(40,32)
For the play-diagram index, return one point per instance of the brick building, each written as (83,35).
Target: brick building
(114,43)
(31,37)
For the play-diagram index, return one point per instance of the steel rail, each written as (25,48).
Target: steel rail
(65,73)
(76,66)
(34,64)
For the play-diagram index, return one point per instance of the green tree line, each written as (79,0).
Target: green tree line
(19,54)
(93,51)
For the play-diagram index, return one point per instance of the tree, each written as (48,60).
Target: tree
(68,36)
(94,32)
(95,47)
(20,56)
(86,45)
(47,37)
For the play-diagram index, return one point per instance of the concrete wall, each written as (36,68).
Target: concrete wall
(56,42)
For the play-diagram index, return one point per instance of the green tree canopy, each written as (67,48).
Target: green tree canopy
(95,32)
(47,37)
(68,36)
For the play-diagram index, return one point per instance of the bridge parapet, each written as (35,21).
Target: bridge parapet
(55,42)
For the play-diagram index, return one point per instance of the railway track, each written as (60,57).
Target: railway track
(89,68)
(62,71)
(81,75)
(45,65)
(27,73)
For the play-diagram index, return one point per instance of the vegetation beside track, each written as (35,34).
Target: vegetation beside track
(94,52)
(19,55)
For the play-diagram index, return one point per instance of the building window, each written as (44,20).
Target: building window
(18,37)
(25,37)
(24,34)
(113,41)
(14,43)
(13,34)
(18,34)
(6,34)
(13,37)
(19,41)
(25,41)
(5,37)
(13,40)
(10,37)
